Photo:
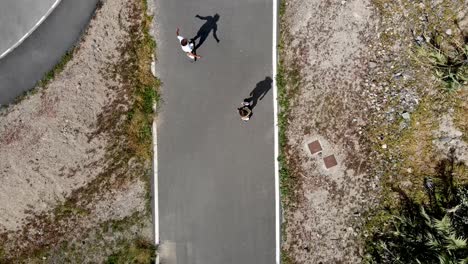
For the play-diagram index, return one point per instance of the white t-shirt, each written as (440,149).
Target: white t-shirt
(186,48)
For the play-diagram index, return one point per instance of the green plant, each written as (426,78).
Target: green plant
(436,232)
(67,209)
(447,59)
(58,68)
(138,251)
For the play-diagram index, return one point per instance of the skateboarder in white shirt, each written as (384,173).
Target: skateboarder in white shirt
(187,46)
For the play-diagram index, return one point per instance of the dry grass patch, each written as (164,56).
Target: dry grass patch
(461,113)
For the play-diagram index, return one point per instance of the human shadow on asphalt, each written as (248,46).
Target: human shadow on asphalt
(260,90)
(205,29)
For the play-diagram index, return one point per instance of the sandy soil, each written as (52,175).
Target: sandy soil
(331,104)
(356,80)
(51,148)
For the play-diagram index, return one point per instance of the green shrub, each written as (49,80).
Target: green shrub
(447,58)
(139,251)
(436,232)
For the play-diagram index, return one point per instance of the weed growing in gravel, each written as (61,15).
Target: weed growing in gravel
(282,124)
(48,77)
(435,232)
(447,58)
(287,81)
(58,68)
(145,85)
(138,251)
(400,231)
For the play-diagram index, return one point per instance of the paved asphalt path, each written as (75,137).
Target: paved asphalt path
(18,17)
(216,173)
(25,65)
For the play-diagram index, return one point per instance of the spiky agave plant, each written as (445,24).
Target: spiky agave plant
(426,234)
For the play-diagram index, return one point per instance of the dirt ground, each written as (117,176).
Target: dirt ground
(343,90)
(331,104)
(60,185)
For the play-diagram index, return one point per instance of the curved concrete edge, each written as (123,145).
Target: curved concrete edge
(38,23)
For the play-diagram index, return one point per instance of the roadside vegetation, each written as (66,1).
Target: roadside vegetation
(48,77)
(58,68)
(285,79)
(138,251)
(411,123)
(434,232)
(446,57)
(423,214)
(72,232)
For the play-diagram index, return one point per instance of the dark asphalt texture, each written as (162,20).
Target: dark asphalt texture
(40,52)
(18,17)
(216,172)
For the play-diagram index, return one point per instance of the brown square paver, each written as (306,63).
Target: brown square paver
(330,161)
(315,147)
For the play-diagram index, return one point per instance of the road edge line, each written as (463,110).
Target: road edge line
(155,182)
(38,23)
(155,185)
(276,140)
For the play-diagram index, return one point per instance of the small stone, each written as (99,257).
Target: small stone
(153,68)
(384,146)
(448,32)
(409,170)
(398,75)
(445,139)
(372,64)
(406,116)
(403,125)
(419,40)
(343,2)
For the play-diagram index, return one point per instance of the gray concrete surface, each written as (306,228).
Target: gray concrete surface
(25,65)
(216,173)
(18,18)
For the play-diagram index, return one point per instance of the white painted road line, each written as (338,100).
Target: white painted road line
(276,141)
(31,30)
(155,183)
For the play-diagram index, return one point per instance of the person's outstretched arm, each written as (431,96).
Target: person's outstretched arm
(177,32)
(201,17)
(215,29)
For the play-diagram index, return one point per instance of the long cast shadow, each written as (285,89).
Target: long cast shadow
(260,90)
(205,29)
